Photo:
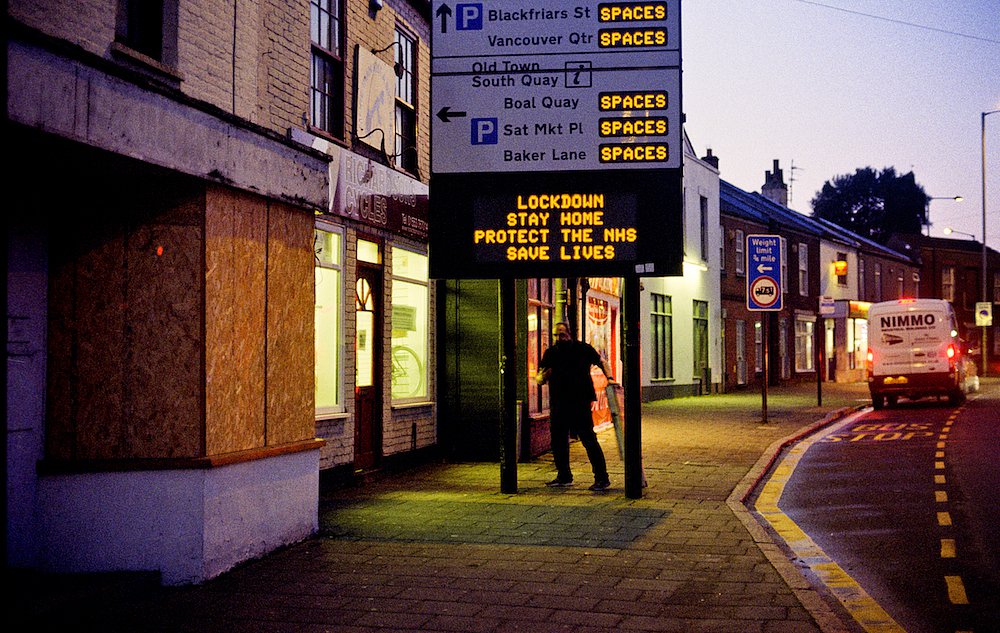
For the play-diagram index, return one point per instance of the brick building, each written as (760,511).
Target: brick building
(188,173)
(952,269)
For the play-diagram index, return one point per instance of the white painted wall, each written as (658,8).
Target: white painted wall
(700,279)
(828,285)
(189,525)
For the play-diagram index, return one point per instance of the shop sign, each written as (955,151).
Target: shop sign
(378,196)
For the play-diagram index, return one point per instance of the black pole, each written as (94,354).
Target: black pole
(508,387)
(633,385)
(766,376)
(819,338)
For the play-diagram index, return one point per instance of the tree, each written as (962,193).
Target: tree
(873,204)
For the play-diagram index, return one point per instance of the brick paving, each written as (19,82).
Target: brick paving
(439,548)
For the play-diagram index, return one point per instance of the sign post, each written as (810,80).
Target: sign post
(827,306)
(556,147)
(764,292)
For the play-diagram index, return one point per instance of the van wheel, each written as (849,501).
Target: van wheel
(892,400)
(878,402)
(956,398)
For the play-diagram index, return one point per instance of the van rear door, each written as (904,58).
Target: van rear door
(911,341)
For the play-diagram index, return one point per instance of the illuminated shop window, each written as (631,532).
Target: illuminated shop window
(329,308)
(409,325)
(369,252)
(540,307)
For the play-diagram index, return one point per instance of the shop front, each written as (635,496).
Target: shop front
(374,317)
(847,341)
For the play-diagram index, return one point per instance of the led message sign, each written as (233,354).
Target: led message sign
(520,225)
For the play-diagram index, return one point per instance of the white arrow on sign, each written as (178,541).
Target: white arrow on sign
(761,268)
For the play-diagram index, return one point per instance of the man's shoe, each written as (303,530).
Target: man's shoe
(600,485)
(559,483)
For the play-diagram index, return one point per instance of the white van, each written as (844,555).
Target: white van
(914,351)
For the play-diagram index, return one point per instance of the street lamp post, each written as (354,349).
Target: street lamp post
(927,218)
(982,128)
(948,231)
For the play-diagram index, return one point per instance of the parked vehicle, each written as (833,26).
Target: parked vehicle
(915,351)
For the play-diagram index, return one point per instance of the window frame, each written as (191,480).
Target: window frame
(405,108)
(878,281)
(339,268)
(805,337)
(328,122)
(398,278)
(862,282)
(662,336)
(541,305)
(703,219)
(948,283)
(803,269)
(741,252)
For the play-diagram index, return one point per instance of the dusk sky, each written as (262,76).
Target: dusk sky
(813,84)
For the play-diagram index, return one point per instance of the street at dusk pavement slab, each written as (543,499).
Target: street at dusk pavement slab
(440,548)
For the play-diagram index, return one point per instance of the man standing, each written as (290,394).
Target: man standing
(565,366)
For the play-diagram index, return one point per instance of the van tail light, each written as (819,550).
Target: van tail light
(870,361)
(951,352)
(952,357)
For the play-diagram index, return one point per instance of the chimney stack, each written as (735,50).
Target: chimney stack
(710,159)
(774,188)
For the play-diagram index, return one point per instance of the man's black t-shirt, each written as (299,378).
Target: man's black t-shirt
(570,362)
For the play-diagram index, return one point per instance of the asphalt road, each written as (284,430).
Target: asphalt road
(907,501)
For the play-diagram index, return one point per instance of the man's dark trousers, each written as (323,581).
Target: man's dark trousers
(575,416)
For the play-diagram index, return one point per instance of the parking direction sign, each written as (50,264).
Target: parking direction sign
(556,139)
(764,280)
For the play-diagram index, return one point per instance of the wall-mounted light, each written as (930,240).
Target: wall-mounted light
(840,268)
(376,5)
(397,67)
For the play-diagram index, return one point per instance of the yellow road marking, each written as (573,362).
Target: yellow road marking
(944,518)
(956,590)
(940,479)
(941,496)
(862,607)
(943,436)
(938,465)
(939,455)
(940,444)
(948,548)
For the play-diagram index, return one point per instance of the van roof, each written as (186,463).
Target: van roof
(911,304)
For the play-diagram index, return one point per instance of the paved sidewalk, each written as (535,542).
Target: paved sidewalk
(439,548)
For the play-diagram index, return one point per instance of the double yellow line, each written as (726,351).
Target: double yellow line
(861,606)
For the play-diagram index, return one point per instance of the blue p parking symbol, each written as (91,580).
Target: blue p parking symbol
(484,132)
(469,17)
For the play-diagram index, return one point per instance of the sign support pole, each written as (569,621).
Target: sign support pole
(819,338)
(508,387)
(765,377)
(633,385)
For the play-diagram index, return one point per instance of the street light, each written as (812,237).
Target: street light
(982,128)
(928,216)
(948,231)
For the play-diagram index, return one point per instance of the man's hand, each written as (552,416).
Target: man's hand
(542,377)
